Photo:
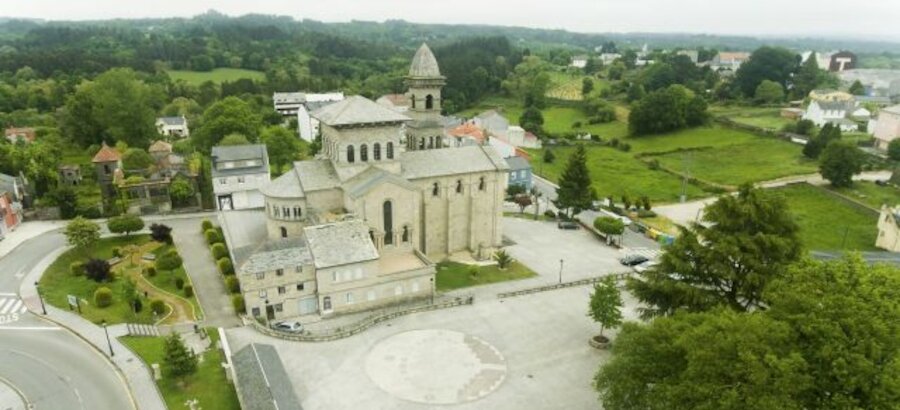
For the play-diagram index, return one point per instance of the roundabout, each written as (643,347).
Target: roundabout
(11,397)
(436,366)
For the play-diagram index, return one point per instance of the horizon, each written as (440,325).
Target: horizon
(675,20)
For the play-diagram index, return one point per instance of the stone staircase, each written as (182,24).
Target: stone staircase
(137,329)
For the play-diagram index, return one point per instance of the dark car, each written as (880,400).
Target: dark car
(290,327)
(632,260)
(567,225)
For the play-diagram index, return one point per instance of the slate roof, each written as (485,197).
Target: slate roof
(316,175)
(106,154)
(240,153)
(357,110)
(451,161)
(340,243)
(278,254)
(372,177)
(261,381)
(285,186)
(173,121)
(517,163)
(424,65)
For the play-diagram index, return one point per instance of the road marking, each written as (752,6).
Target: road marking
(9,306)
(8,294)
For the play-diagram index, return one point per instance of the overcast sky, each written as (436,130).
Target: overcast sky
(871,19)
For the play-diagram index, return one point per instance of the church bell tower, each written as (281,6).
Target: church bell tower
(424,84)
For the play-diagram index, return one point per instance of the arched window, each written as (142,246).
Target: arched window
(430,142)
(283,232)
(376,152)
(429,102)
(350,156)
(412,99)
(390,150)
(422,143)
(388,216)
(458,186)
(405,236)
(481,184)
(435,189)
(363,153)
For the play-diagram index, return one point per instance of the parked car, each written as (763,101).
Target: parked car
(567,225)
(642,267)
(632,260)
(290,327)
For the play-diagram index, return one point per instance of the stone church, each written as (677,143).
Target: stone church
(360,225)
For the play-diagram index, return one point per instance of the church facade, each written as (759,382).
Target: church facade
(384,198)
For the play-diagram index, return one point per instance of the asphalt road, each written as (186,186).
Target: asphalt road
(51,367)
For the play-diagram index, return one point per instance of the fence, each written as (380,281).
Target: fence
(352,329)
(582,282)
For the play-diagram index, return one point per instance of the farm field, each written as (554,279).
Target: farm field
(763,117)
(217,75)
(557,119)
(567,86)
(872,194)
(827,222)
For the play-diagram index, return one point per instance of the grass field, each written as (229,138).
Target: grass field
(567,86)
(871,194)
(454,275)
(764,117)
(827,222)
(208,386)
(218,75)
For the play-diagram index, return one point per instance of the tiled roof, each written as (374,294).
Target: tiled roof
(467,130)
(357,110)
(340,243)
(107,154)
(424,65)
(27,134)
(451,161)
(372,177)
(398,100)
(160,146)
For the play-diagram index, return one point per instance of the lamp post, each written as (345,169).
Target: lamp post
(560,270)
(108,342)
(266,313)
(432,290)
(41,298)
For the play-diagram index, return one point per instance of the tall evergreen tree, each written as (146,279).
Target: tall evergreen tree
(575,192)
(179,360)
(808,77)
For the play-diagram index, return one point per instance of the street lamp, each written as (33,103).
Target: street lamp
(560,270)
(266,313)
(432,290)
(41,298)
(108,342)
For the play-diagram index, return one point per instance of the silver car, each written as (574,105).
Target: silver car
(290,327)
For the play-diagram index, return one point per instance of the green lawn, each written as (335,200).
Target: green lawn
(712,136)
(217,75)
(871,194)
(454,275)
(827,222)
(208,386)
(763,117)
(57,282)
(165,280)
(760,159)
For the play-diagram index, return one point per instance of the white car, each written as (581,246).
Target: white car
(290,327)
(642,267)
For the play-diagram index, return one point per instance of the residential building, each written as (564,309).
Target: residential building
(729,60)
(466,134)
(889,229)
(14,135)
(260,380)
(238,173)
(834,112)
(492,122)
(579,61)
(609,58)
(887,128)
(69,175)
(520,172)
(287,104)
(358,226)
(300,105)
(11,197)
(173,127)
(396,102)
(518,137)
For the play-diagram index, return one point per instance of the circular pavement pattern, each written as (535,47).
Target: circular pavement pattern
(10,397)
(436,366)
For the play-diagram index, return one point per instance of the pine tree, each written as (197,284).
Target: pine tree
(808,77)
(575,192)
(179,361)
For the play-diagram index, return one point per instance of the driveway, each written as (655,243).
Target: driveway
(198,263)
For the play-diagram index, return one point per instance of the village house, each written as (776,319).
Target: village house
(887,128)
(11,207)
(579,61)
(889,229)
(359,226)
(14,135)
(173,127)
(729,60)
(238,172)
(492,122)
(835,113)
(520,172)
(298,105)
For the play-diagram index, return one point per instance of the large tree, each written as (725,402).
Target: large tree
(81,232)
(766,63)
(769,92)
(125,224)
(228,116)
(808,77)
(575,192)
(179,361)
(745,241)
(282,145)
(667,110)
(840,161)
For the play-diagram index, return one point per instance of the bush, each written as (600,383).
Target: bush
(138,305)
(103,297)
(205,225)
(157,306)
(169,261)
(576,124)
(225,266)
(624,147)
(893,150)
(643,213)
(161,233)
(212,236)
(150,271)
(474,270)
(503,259)
(232,284)
(76,268)
(614,142)
(550,214)
(179,283)
(97,270)
(218,251)
(188,291)
(237,301)
(117,251)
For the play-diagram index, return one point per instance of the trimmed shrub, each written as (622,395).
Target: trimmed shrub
(212,236)
(150,271)
(103,297)
(188,291)
(179,283)
(117,251)
(169,261)
(97,270)
(218,251)
(225,266)
(138,305)
(205,225)
(233,285)
(161,233)
(157,306)
(237,301)
(76,268)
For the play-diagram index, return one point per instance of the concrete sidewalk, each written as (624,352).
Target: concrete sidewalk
(145,394)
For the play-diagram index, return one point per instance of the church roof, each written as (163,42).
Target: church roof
(424,65)
(372,177)
(106,154)
(451,161)
(340,243)
(357,110)
(316,175)
(285,186)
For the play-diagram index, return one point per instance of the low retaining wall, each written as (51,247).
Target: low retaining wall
(582,282)
(361,325)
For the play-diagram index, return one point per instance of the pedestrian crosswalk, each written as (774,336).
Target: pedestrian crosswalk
(11,305)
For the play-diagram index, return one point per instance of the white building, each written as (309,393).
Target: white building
(299,105)
(173,127)
(887,128)
(492,121)
(609,58)
(238,173)
(579,61)
(834,112)
(729,60)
